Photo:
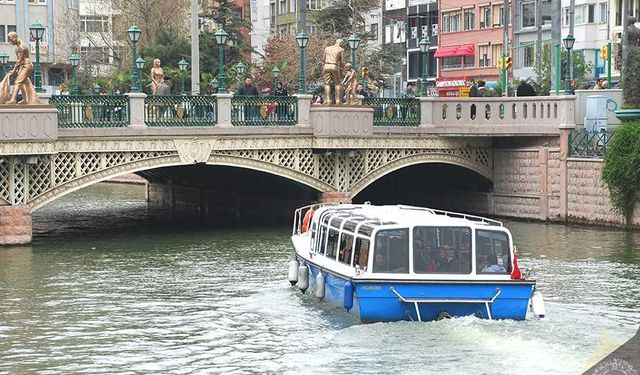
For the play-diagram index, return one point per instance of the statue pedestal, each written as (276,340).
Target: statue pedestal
(20,122)
(341,120)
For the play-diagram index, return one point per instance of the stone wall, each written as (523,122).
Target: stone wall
(517,183)
(15,225)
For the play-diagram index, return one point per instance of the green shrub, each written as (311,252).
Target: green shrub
(621,172)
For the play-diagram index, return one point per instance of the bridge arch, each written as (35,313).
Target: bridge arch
(443,158)
(172,161)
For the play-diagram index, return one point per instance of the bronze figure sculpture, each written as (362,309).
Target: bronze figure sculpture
(333,60)
(350,82)
(157,76)
(21,71)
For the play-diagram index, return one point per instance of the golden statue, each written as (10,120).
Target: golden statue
(350,82)
(21,71)
(331,71)
(157,76)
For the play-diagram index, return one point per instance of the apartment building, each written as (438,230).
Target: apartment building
(58,39)
(616,22)
(285,15)
(422,19)
(471,35)
(394,24)
(260,27)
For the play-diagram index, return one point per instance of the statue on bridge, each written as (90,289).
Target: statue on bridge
(157,77)
(333,60)
(21,71)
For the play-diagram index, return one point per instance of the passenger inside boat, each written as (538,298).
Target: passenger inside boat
(361,257)
(492,252)
(346,244)
(392,251)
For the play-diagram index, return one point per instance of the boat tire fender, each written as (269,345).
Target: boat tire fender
(293,271)
(303,278)
(320,285)
(537,305)
(347,301)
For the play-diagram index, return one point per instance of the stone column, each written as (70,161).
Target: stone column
(15,225)
(543,161)
(224,109)
(564,155)
(304,104)
(136,109)
(335,197)
(426,111)
(44,98)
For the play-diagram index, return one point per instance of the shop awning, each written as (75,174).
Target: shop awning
(452,51)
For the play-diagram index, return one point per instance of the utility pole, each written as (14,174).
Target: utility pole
(195,49)
(625,40)
(539,41)
(302,16)
(556,36)
(572,11)
(505,44)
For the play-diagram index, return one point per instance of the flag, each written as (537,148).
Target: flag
(515,274)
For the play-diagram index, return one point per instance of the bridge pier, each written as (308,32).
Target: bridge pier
(15,225)
(335,197)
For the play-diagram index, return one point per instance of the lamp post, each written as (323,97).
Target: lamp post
(96,89)
(74,60)
(134,35)
(140,66)
(4,59)
(568,44)
(240,67)
(183,66)
(37,30)
(214,86)
(221,39)
(354,42)
(424,49)
(302,40)
(276,76)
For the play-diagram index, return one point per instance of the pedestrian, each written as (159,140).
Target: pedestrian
(360,91)
(473,90)
(408,93)
(248,89)
(482,88)
(282,109)
(525,89)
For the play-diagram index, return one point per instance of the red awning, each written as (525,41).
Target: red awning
(451,51)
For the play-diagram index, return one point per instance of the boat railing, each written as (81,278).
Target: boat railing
(299,213)
(454,215)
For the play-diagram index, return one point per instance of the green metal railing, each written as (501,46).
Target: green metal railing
(180,110)
(264,110)
(394,111)
(91,111)
(588,143)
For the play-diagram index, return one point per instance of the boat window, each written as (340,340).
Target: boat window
(365,230)
(321,239)
(337,222)
(392,251)
(350,225)
(332,244)
(493,254)
(441,250)
(314,228)
(361,257)
(346,247)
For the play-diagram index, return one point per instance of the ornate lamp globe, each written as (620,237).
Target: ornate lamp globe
(74,60)
(240,67)
(182,65)
(37,30)
(276,72)
(569,41)
(140,63)
(134,33)
(302,40)
(221,36)
(354,41)
(424,45)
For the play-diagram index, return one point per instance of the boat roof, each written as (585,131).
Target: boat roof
(403,215)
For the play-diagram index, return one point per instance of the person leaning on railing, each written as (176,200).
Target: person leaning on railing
(248,89)
(282,109)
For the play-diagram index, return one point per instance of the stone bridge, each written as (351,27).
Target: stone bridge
(337,151)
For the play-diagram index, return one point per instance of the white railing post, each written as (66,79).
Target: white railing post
(426,110)
(223,102)
(136,109)
(304,104)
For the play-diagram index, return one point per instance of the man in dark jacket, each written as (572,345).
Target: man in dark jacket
(525,89)
(248,89)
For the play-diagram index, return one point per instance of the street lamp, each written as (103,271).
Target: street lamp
(568,44)
(4,59)
(140,66)
(214,85)
(74,60)
(134,35)
(183,66)
(276,75)
(354,42)
(302,40)
(96,89)
(37,30)
(240,67)
(221,39)
(424,49)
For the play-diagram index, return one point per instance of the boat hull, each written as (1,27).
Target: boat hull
(376,301)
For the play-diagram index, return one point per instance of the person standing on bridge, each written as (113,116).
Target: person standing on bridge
(248,89)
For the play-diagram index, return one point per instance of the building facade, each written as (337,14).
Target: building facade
(58,39)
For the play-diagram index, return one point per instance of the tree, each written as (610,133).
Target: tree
(343,17)
(224,14)
(580,69)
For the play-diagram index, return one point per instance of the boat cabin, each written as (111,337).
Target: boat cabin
(406,240)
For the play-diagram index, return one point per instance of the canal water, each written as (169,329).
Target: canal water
(104,289)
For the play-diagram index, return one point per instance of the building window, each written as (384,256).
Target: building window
(528,56)
(3,34)
(292,6)
(604,15)
(528,14)
(453,62)
(483,54)
(94,24)
(565,16)
(373,31)
(485,17)
(469,19)
(39,2)
(11,29)
(591,13)
(579,15)
(95,54)
(496,52)
(283,7)
(314,4)
(546,12)
(451,22)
